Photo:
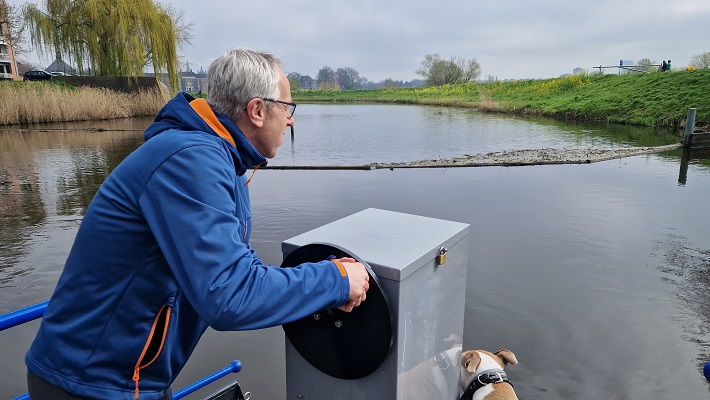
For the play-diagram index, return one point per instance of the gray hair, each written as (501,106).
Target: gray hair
(239,76)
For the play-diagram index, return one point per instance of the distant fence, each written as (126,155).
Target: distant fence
(117,83)
(631,68)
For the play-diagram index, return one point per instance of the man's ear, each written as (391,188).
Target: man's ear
(255,112)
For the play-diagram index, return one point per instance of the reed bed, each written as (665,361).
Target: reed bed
(35,102)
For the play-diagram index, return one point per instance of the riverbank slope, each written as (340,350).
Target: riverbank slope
(649,99)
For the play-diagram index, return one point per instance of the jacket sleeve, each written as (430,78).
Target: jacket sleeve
(192,205)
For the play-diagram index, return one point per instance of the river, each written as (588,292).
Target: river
(596,276)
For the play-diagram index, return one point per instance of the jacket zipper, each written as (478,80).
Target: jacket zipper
(160,327)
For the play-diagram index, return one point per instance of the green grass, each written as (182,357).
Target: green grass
(653,99)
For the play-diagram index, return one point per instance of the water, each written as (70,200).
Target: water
(595,276)
(361,134)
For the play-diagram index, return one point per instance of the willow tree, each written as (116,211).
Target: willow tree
(111,37)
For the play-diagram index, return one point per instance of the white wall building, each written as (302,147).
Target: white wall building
(8,63)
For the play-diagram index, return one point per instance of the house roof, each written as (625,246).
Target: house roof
(60,66)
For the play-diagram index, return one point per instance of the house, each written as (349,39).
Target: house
(193,82)
(307,82)
(8,63)
(61,66)
(190,81)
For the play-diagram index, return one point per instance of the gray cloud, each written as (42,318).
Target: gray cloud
(510,39)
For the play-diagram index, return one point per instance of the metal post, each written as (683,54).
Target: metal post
(689,127)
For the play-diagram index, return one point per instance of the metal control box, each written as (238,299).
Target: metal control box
(420,265)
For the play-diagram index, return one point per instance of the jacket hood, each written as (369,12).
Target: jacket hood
(179,114)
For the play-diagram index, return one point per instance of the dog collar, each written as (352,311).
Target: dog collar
(447,369)
(483,379)
(442,360)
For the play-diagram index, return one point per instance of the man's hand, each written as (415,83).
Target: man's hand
(359,283)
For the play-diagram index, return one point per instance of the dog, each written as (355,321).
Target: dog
(482,375)
(433,378)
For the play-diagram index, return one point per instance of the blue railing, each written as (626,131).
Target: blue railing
(30,313)
(22,315)
(234,367)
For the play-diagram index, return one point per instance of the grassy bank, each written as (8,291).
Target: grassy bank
(33,102)
(652,99)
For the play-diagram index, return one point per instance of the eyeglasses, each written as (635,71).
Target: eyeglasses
(290,107)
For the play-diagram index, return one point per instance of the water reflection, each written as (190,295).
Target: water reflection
(618,134)
(21,206)
(700,156)
(46,173)
(64,168)
(18,172)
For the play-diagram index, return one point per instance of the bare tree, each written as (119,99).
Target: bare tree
(390,83)
(182,26)
(701,61)
(11,26)
(473,70)
(645,64)
(348,78)
(327,79)
(437,71)
(294,79)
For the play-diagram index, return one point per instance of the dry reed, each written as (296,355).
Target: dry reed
(33,102)
(486,103)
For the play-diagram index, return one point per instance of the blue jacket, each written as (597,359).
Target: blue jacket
(161,254)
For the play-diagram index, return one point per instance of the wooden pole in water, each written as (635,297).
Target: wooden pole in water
(689,127)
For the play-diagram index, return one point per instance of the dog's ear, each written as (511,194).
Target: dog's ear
(507,356)
(470,360)
(453,341)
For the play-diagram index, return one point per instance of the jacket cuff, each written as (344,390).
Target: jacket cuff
(345,293)
(342,270)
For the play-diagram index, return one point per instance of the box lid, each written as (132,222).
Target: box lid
(394,244)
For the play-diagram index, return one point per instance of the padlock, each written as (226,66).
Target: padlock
(441,256)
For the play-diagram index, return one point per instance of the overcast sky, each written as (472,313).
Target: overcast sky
(511,39)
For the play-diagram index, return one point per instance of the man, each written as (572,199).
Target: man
(163,250)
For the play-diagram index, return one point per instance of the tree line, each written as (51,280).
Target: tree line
(344,78)
(434,69)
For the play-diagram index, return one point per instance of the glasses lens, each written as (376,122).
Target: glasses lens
(290,107)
